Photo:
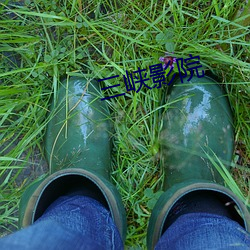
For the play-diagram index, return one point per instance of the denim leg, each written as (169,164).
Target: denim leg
(204,231)
(76,222)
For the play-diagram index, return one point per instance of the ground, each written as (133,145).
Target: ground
(43,42)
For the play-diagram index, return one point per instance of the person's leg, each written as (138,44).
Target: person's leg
(78,149)
(71,222)
(197,137)
(204,231)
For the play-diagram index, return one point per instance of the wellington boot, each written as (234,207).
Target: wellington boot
(197,126)
(78,149)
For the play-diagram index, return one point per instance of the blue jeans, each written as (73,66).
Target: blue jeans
(80,222)
(70,223)
(204,231)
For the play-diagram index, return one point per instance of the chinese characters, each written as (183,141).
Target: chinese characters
(139,78)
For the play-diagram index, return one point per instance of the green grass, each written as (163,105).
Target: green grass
(55,39)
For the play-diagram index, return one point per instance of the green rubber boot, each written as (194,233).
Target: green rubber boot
(198,121)
(78,149)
